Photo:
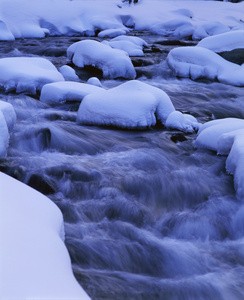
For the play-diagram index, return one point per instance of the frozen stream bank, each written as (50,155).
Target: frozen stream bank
(147,216)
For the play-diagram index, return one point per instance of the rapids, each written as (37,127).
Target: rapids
(147,216)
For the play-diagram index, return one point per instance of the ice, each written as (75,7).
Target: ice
(27,74)
(113,62)
(60,92)
(5,34)
(7,122)
(68,73)
(35,263)
(224,42)
(133,104)
(198,62)
(225,136)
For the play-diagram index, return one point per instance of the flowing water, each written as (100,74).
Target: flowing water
(147,216)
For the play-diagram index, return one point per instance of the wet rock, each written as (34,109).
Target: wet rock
(41,184)
(178,137)
(236,56)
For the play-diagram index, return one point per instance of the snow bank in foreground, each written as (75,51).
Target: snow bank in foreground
(35,263)
(113,62)
(225,136)
(198,62)
(60,92)
(224,42)
(131,105)
(27,74)
(7,122)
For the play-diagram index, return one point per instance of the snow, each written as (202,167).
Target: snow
(133,46)
(7,122)
(63,17)
(133,104)
(112,32)
(94,81)
(68,73)
(113,62)
(60,92)
(35,263)
(224,42)
(177,28)
(27,74)
(198,62)
(184,122)
(225,136)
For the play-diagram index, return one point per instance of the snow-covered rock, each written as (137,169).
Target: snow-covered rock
(178,28)
(27,74)
(94,81)
(133,104)
(198,62)
(184,122)
(113,62)
(225,136)
(224,42)
(60,92)
(112,32)
(131,45)
(7,122)
(208,29)
(35,263)
(68,73)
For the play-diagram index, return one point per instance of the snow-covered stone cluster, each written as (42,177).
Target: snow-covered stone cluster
(225,136)
(201,61)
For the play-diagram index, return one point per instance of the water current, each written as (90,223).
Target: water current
(147,216)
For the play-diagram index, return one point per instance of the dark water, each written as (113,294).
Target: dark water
(147,216)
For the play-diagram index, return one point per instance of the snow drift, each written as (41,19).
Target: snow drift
(35,263)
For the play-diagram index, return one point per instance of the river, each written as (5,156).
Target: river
(147,215)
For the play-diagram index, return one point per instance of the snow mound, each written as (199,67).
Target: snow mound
(224,42)
(112,32)
(178,28)
(60,92)
(208,29)
(113,62)
(184,122)
(133,104)
(131,45)
(7,122)
(27,74)
(34,259)
(68,73)
(198,62)
(225,136)
(94,81)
